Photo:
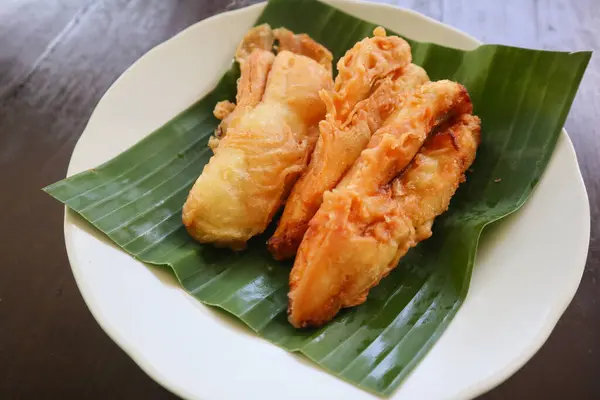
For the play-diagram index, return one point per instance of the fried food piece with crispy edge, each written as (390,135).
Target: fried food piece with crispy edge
(339,145)
(253,77)
(252,86)
(368,222)
(367,61)
(351,119)
(268,137)
(254,72)
(259,37)
(302,44)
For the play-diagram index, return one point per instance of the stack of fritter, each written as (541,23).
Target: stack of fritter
(391,149)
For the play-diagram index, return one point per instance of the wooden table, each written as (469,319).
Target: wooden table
(57,58)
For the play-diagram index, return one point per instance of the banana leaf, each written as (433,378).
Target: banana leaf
(522,96)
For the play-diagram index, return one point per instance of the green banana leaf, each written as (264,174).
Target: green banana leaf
(522,96)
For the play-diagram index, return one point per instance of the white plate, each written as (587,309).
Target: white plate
(527,270)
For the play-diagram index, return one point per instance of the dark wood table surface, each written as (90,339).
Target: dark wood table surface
(57,58)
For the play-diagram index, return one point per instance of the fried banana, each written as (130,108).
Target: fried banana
(342,137)
(262,144)
(375,215)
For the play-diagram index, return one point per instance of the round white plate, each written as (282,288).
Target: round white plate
(536,255)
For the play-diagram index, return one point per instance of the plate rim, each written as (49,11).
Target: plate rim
(476,389)
(551,320)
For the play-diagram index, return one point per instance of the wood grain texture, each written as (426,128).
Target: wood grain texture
(57,58)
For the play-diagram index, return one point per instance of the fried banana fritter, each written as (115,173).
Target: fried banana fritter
(369,60)
(379,65)
(375,215)
(262,144)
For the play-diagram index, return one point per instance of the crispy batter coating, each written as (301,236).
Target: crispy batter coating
(263,145)
(250,89)
(339,145)
(258,44)
(369,221)
(393,145)
(257,38)
(369,60)
(223,109)
(302,44)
